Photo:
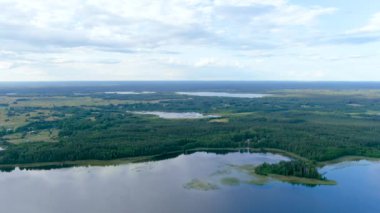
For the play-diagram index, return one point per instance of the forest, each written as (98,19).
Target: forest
(290,168)
(316,125)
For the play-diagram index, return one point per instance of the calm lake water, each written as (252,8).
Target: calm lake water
(224,94)
(163,186)
(175,115)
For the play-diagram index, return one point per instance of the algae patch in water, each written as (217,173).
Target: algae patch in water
(200,185)
(248,169)
(258,180)
(230,181)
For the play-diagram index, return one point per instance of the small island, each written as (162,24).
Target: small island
(295,171)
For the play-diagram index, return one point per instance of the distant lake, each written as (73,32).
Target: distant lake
(11,94)
(175,115)
(199,182)
(129,92)
(224,94)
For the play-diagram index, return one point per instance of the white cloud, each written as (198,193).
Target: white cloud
(244,3)
(295,15)
(144,23)
(372,26)
(205,62)
(5,65)
(24,73)
(166,39)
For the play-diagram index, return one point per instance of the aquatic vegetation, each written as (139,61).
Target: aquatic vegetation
(247,168)
(230,181)
(259,180)
(198,184)
(302,181)
(221,172)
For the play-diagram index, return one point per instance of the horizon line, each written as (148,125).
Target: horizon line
(295,81)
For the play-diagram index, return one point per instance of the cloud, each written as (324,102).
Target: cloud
(245,3)
(352,39)
(5,65)
(205,62)
(372,26)
(178,39)
(368,33)
(294,15)
(121,26)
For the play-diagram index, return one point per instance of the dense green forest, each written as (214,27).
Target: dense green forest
(318,125)
(295,168)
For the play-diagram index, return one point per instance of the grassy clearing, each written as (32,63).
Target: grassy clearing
(12,122)
(40,136)
(220,120)
(59,101)
(20,119)
(365,93)
(4,100)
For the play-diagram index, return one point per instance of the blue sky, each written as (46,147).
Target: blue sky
(326,40)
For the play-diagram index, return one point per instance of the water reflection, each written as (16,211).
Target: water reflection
(159,186)
(175,115)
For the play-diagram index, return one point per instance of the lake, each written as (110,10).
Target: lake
(224,94)
(175,115)
(180,184)
(130,92)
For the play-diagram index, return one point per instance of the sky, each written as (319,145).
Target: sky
(99,40)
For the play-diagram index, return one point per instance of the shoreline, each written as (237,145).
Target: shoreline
(127,160)
(302,181)
(348,158)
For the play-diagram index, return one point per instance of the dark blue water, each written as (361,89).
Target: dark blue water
(160,187)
